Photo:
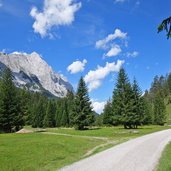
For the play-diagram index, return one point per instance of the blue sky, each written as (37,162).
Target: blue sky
(100,36)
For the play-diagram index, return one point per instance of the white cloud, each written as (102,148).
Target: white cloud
(102,44)
(94,78)
(132,54)
(98,106)
(1,4)
(55,13)
(114,51)
(19,53)
(77,66)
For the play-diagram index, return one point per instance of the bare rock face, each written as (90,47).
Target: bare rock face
(30,71)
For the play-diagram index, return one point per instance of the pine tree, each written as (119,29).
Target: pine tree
(65,116)
(122,100)
(49,118)
(159,110)
(138,105)
(148,111)
(82,110)
(107,114)
(39,111)
(10,113)
(99,120)
(70,105)
(169,82)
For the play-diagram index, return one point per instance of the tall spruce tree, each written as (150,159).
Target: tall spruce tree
(49,118)
(70,105)
(122,100)
(59,112)
(169,82)
(148,111)
(159,110)
(82,111)
(138,105)
(65,115)
(107,113)
(39,111)
(10,111)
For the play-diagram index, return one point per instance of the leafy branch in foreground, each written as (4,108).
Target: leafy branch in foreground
(165,25)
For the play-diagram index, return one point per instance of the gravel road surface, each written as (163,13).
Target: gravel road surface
(140,154)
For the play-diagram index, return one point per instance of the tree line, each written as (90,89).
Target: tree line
(19,107)
(131,108)
(128,106)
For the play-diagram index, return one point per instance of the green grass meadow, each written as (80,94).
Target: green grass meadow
(46,152)
(111,132)
(165,161)
(38,152)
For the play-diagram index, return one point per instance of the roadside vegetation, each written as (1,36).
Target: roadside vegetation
(165,161)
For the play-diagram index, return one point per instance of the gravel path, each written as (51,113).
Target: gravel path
(140,154)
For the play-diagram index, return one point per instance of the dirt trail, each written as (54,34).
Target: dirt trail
(80,136)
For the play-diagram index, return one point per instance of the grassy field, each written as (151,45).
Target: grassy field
(165,161)
(111,132)
(38,152)
(43,152)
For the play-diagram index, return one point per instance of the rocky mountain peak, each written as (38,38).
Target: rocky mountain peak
(32,72)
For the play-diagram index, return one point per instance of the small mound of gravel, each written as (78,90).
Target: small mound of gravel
(24,131)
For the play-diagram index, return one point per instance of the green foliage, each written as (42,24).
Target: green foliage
(65,114)
(148,113)
(49,118)
(120,99)
(159,110)
(10,110)
(127,104)
(82,111)
(107,113)
(165,25)
(158,99)
(98,120)
(39,111)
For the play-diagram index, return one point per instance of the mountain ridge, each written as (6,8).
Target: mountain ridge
(32,72)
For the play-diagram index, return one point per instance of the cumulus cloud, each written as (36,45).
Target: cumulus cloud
(109,45)
(98,106)
(77,66)
(114,51)
(102,44)
(94,78)
(55,13)
(132,54)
